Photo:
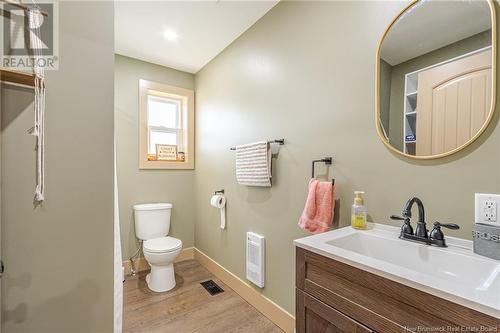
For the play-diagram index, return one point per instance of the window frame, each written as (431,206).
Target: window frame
(185,132)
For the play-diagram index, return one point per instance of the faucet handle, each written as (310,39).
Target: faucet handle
(436,233)
(446,225)
(406,228)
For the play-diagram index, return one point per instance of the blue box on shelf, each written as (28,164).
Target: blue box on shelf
(410,138)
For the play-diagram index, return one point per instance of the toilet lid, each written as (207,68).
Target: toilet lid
(162,244)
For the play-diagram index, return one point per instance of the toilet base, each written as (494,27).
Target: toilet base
(161,278)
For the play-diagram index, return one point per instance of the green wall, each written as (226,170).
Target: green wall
(59,257)
(306,72)
(143,186)
(385,95)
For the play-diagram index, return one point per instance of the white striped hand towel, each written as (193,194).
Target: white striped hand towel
(253,164)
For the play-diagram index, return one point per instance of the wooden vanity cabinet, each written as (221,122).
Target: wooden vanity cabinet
(316,316)
(335,297)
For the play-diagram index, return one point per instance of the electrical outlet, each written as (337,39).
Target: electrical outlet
(490,211)
(486,208)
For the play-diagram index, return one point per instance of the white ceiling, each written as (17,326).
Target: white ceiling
(433,24)
(204,29)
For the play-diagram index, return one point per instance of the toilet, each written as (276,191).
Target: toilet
(152,224)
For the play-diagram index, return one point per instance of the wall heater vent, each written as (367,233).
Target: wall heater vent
(255,259)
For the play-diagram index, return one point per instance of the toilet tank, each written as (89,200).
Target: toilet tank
(152,220)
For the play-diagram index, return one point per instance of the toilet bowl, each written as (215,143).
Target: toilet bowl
(161,253)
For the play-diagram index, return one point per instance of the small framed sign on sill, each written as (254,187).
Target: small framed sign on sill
(166,152)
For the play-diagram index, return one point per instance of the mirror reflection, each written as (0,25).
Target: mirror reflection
(435,72)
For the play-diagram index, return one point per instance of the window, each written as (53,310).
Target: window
(166,126)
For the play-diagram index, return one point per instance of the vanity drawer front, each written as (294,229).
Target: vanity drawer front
(379,303)
(314,316)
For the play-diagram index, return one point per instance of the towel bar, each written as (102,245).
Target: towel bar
(280,141)
(327,161)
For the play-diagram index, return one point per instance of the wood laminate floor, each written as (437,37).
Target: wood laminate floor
(189,307)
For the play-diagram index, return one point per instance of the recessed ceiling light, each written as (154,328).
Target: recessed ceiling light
(170,35)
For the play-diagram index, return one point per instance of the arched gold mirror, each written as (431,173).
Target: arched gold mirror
(436,77)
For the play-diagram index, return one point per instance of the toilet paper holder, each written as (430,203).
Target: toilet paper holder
(218,201)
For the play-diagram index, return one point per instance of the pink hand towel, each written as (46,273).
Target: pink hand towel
(318,212)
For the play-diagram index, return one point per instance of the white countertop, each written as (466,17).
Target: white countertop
(454,273)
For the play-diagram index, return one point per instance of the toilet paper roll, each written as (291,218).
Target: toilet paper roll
(219,201)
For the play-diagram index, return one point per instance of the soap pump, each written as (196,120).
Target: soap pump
(358,212)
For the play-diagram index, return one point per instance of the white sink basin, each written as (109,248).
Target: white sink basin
(454,273)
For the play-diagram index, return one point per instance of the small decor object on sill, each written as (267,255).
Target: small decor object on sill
(181,156)
(166,152)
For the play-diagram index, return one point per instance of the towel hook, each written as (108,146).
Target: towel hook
(327,161)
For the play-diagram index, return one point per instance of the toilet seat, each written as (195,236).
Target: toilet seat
(162,245)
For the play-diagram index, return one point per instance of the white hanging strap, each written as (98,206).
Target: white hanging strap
(38,130)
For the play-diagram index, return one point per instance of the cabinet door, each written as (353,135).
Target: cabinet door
(314,316)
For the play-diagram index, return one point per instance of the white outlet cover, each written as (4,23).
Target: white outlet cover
(486,208)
